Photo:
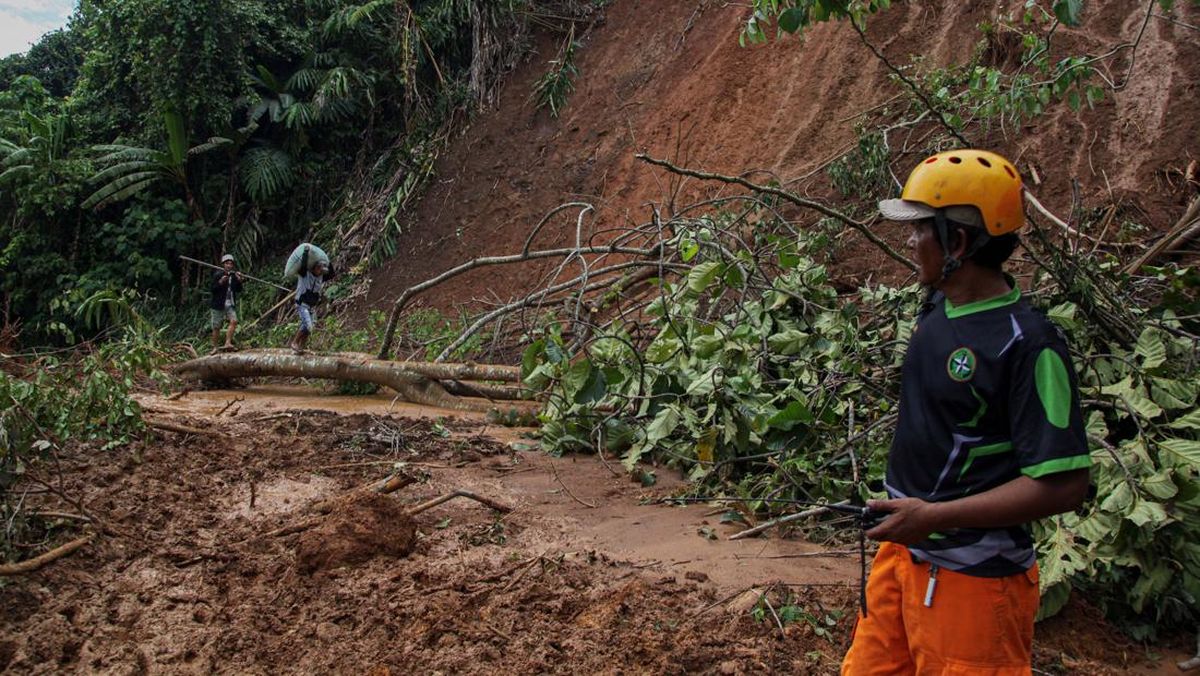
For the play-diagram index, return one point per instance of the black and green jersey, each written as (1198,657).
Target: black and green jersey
(987,395)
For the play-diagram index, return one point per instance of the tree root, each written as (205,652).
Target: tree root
(39,562)
(181,429)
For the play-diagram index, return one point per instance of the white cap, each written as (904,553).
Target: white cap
(226,257)
(908,210)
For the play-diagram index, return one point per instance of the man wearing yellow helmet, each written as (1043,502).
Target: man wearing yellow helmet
(989,438)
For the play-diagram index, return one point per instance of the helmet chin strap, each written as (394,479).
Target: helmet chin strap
(951,263)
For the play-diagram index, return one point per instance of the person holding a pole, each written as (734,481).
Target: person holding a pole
(226,285)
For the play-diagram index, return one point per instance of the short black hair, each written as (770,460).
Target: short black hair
(993,253)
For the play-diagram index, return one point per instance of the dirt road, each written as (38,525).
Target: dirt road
(242,553)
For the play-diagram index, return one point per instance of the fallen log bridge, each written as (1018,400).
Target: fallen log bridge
(416,382)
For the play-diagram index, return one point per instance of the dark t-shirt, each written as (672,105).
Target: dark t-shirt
(987,395)
(219,293)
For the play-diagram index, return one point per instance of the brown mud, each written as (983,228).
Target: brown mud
(265,551)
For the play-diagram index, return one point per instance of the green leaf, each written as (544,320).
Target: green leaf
(1095,425)
(1149,513)
(1063,314)
(688,250)
(701,276)
(1190,421)
(531,356)
(1068,11)
(794,413)
(1054,599)
(594,388)
(1127,393)
(787,342)
(1186,450)
(1160,485)
(792,20)
(1119,500)
(575,377)
(1173,395)
(663,425)
(1151,350)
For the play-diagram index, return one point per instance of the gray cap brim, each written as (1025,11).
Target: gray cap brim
(905,210)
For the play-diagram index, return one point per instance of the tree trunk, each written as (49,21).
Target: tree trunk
(407,382)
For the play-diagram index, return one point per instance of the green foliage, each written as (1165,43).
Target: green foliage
(50,403)
(751,381)
(793,16)
(864,172)
(552,89)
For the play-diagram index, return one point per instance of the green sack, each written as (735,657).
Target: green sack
(315,255)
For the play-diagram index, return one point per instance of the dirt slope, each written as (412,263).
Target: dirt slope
(669,79)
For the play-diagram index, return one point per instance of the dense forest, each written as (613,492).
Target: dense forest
(144,130)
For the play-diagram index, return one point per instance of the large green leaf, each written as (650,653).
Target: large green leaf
(1148,514)
(1188,421)
(121,188)
(1134,396)
(1186,450)
(1068,11)
(701,276)
(1151,349)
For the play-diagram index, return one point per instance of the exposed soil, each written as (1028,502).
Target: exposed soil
(669,79)
(266,551)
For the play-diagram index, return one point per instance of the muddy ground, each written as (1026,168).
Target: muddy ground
(252,552)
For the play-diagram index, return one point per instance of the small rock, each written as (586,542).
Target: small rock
(696,576)
(328,631)
(729,667)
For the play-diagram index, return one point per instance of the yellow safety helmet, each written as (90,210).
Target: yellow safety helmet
(975,178)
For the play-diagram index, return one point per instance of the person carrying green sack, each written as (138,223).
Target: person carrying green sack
(310,283)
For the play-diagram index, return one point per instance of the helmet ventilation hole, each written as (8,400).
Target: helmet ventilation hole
(931,160)
(984,162)
(1010,171)
(956,160)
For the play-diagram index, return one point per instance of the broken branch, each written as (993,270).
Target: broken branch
(39,562)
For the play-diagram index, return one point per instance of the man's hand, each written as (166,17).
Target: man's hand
(909,520)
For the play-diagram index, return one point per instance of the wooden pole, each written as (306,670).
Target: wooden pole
(250,277)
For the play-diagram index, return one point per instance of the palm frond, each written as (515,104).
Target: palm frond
(13,172)
(305,79)
(121,188)
(248,238)
(265,172)
(121,153)
(124,169)
(301,115)
(212,143)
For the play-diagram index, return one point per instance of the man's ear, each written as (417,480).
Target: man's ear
(958,247)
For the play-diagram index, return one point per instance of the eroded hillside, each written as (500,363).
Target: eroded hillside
(670,79)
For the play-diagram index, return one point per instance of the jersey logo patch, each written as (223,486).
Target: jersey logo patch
(961,365)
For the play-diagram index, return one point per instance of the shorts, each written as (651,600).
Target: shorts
(218,317)
(975,625)
(308,317)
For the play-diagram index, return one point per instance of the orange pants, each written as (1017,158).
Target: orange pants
(975,625)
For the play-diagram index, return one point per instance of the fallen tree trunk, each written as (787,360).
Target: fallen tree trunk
(437,371)
(411,386)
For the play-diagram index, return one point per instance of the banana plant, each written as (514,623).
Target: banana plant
(131,169)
